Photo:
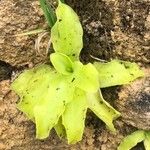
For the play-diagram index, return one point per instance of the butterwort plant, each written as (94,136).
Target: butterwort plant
(59,96)
(133,139)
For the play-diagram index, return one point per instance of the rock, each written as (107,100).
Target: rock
(134,103)
(19,16)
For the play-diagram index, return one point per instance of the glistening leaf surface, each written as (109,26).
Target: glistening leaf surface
(66,34)
(117,72)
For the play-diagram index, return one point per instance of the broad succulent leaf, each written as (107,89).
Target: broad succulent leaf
(132,140)
(82,76)
(62,63)
(117,72)
(47,117)
(74,117)
(66,34)
(86,77)
(44,97)
(25,86)
(102,109)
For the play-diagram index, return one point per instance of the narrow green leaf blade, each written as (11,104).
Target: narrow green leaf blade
(117,72)
(147,140)
(102,109)
(62,63)
(36,31)
(66,34)
(74,117)
(132,140)
(48,12)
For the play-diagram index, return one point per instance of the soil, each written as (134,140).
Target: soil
(112,29)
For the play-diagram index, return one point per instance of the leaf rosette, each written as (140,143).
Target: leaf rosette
(59,96)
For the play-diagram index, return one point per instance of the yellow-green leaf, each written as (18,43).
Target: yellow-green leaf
(66,34)
(86,77)
(44,97)
(62,63)
(74,117)
(117,72)
(132,140)
(30,86)
(102,109)
(47,117)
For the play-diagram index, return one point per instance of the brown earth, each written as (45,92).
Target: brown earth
(112,29)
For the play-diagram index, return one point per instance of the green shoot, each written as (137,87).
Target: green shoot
(133,139)
(48,12)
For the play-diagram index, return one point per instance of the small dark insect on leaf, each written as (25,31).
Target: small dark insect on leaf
(73,80)
(101,102)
